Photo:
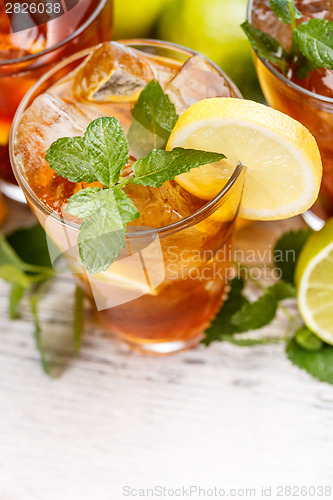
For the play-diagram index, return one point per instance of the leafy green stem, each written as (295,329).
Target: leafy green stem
(290,317)
(124,183)
(292,16)
(78,318)
(34,302)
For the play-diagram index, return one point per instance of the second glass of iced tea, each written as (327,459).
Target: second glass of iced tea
(169,281)
(26,55)
(309,101)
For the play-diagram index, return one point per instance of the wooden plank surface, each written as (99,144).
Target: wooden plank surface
(222,416)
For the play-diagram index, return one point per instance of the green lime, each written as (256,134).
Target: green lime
(314,281)
(212,27)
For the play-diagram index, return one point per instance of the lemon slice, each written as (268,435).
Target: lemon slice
(314,279)
(282,160)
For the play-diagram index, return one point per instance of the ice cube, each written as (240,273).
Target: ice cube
(197,80)
(263,17)
(116,73)
(163,205)
(319,81)
(47,119)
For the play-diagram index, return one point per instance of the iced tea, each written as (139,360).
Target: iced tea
(169,281)
(28,54)
(309,101)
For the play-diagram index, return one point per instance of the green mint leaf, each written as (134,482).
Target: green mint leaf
(255,315)
(302,65)
(315,41)
(107,146)
(34,302)
(102,235)
(8,256)
(85,202)
(31,246)
(127,210)
(221,324)
(266,46)
(98,156)
(100,243)
(287,250)
(282,291)
(161,166)
(285,10)
(15,298)
(260,313)
(20,255)
(14,275)
(69,157)
(319,364)
(89,201)
(308,340)
(78,318)
(154,116)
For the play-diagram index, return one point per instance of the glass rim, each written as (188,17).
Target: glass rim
(282,77)
(188,221)
(78,31)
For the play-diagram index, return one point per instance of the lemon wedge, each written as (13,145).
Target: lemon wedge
(282,160)
(314,279)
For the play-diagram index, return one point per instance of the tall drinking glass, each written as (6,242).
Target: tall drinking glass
(26,55)
(313,110)
(169,281)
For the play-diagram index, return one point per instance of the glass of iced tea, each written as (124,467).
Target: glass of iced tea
(169,280)
(310,101)
(27,54)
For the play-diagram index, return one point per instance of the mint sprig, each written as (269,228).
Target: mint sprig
(238,315)
(101,156)
(311,43)
(25,264)
(256,315)
(19,254)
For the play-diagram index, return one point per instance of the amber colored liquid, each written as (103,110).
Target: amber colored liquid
(316,116)
(16,79)
(314,113)
(194,259)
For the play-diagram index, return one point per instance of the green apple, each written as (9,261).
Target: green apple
(135,18)
(212,27)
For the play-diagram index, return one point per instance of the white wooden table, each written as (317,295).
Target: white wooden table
(224,417)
